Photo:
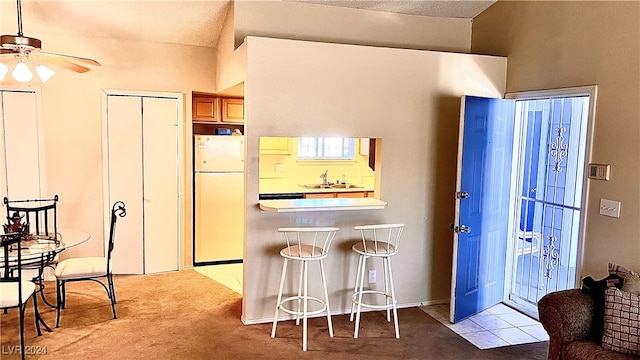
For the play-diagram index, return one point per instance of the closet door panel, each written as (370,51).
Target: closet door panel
(161,202)
(22,160)
(124,131)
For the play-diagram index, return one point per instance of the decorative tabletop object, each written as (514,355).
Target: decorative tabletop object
(15,224)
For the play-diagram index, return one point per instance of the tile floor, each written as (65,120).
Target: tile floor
(497,326)
(229,275)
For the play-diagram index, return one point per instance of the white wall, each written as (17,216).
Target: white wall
(410,99)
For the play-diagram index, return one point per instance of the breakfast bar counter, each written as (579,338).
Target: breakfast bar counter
(331,204)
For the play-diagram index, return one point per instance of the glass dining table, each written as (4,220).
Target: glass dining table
(38,246)
(38,252)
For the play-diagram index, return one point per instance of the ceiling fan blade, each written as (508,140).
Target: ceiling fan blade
(74,59)
(62,62)
(73,63)
(6,51)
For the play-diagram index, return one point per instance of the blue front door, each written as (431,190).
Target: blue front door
(482,204)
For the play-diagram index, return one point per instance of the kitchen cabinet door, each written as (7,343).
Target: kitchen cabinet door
(319,195)
(232,110)
(206,109)
(356,194)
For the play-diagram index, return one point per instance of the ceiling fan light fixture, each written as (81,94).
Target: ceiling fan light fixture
(22,73)
(27,49)
(17,41)
(44,73)
(3,71)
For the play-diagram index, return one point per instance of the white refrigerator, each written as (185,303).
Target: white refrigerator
(219,206)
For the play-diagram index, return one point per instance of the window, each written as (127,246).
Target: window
(326,148)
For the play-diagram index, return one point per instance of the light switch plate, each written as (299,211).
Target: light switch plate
(610,208)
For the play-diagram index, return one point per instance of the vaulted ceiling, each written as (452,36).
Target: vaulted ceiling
(190,22)
(437,8)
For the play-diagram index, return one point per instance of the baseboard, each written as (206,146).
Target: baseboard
(434,302)
(341,312)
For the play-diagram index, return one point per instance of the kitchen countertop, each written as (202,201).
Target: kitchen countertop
(335,204)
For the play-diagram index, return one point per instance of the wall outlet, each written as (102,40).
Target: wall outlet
(279,167)
(372,276)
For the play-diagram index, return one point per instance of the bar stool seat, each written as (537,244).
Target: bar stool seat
(304,244)
(378,241)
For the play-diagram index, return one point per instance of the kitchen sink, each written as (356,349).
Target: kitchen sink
(331,186)
(345,186)
(317,186)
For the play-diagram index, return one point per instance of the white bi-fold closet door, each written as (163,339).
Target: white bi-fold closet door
(142,160)
(21,146)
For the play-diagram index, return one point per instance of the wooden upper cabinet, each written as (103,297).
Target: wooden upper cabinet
(206,109)
(232,110)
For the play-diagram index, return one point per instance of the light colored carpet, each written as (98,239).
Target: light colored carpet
(185,315)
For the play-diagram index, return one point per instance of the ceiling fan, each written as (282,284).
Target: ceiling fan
(21,49)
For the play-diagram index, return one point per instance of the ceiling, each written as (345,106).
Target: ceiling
(171,21)
(438,8)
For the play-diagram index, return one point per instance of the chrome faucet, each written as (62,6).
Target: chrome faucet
(323,176)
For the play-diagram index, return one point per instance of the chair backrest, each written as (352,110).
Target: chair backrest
(308,242)
(376,237)
(40,215)
(11,244)
(118,209)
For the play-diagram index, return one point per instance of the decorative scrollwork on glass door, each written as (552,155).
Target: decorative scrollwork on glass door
(559,149)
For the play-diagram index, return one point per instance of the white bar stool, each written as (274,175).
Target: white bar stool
(305,244)
(378,241)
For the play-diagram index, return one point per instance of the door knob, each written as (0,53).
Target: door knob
(459,229)
(462,195)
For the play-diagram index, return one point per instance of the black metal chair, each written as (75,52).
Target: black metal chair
(89,268)
(41,218)
(41,215)
(15,292)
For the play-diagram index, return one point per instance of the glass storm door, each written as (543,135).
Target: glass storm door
(550,178)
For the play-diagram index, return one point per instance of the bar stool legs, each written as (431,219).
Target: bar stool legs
(378,241)
(302,300)
(304,244)
(326,298)
(389,294)
(279,301)
(394,300)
